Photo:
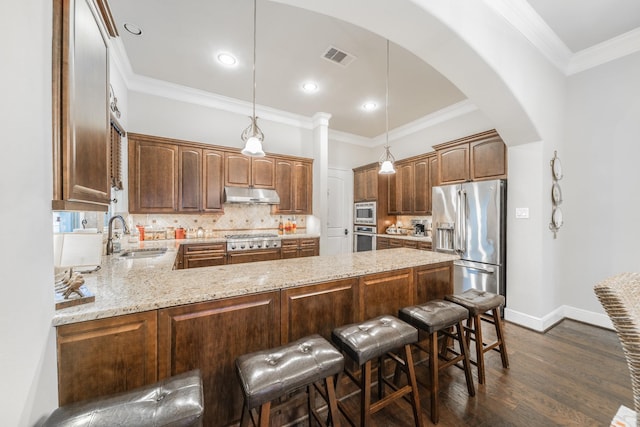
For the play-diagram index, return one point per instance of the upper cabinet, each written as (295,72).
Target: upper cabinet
(243,171)
(365,183)
(410,187)
(80,81)
(473,158)
(294,185)
(172,176)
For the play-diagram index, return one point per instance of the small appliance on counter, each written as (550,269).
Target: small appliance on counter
(418,228)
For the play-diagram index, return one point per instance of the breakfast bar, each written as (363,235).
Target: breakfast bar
(150,321)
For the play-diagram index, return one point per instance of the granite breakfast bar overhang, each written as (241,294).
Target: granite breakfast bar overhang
(150,321)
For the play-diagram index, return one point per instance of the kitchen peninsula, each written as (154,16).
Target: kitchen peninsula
(150,321)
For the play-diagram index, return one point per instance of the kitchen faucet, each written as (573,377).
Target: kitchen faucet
(110,236)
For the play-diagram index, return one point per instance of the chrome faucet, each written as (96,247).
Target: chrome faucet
(110,236)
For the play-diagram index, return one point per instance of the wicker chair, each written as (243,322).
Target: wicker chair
(620,297)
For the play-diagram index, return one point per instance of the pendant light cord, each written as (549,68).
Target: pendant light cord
(254,62)
(387,100)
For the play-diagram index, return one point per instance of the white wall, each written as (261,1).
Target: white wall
(27,353)
(600,188)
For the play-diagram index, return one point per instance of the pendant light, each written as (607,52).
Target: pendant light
(387,160)
(252,136)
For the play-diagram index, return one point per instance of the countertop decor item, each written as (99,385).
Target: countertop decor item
(556,195)
(75,250)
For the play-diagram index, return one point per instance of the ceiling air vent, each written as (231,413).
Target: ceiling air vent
(338,56)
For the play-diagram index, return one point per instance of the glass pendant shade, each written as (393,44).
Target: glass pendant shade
(386,162)
(252,137)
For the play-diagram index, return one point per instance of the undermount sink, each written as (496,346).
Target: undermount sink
(143,253)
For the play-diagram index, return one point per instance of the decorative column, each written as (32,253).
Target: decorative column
(320,173)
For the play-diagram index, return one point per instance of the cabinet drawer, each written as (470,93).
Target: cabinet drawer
(395,243)
(195,249)
(410,244)
(290,243)
(425,246)
(204,260)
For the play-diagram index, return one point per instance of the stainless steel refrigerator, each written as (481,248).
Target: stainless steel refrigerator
(470,220)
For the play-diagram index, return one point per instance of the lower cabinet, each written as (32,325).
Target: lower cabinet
(210,336)
(388,243)
(297,248)
(202,255)
(253,256)
(106,356)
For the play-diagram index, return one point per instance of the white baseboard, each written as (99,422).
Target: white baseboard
(541,324)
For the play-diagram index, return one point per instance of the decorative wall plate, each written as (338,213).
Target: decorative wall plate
(556,218)
(556,194)
(556,166)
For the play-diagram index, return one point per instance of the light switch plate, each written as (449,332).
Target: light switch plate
(522,213)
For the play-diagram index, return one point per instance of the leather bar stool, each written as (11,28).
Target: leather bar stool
(374,339)
(479,303)
(176,401)
(444,318)
(268,375)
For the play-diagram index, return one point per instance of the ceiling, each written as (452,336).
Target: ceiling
(181,39)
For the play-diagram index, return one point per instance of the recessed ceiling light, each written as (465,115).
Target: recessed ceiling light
(369,106)
(310,87)
(133,29)
(225,58)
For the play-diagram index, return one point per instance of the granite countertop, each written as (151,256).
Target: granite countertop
(407,237)
(124,286)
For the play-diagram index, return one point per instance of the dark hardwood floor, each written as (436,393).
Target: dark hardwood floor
(572,375)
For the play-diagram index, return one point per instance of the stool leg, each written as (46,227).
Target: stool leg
(411,374)
(311,400)
(500,334)
(477,327)
(466,363)
(265,412)
(365,396)
(380,377)
(244,418)
(333,403)
(433,376)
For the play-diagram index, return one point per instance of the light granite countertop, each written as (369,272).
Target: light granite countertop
(124,286)
(406,237)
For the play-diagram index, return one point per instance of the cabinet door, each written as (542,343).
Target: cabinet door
(107,356)
(317,309)
(359,186)
(80,114)
(253,256)
(433,282)
(382,243)
(371,184)
(212,180)
(405,187)
(210,336)
(385,293)
(303,188)
(421,187)
(237,169)
(189,179)
(488,159)
(284,186)
(412,244)
(454,164)
(263,172)
(434,171)
(153,177)
(309,247)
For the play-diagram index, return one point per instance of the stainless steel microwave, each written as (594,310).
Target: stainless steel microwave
(364,213)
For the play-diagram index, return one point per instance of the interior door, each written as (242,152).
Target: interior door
(339,215)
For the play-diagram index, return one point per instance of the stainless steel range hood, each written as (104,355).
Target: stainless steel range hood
(251,195)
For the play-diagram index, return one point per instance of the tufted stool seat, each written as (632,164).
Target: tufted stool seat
(270,374)
(438,317)
(375,339)
(478,303)
(176,401)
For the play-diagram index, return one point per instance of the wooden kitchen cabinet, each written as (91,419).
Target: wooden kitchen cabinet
(294,185)
(210,336)
(244,171)
(80,98)
(189,179)
(477,157)
(153,175)
(241,257)
(297,248)
(365,183)
(195,255)
(421,187)
(385,293)
(212,179)
(317,309)
(102,357)
(433,282)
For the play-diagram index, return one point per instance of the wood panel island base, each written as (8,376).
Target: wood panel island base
(150,322)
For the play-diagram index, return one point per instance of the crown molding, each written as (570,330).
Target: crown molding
(615,48)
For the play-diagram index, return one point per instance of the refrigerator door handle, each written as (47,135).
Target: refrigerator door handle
(463,222)
(457,244)
(481,270)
